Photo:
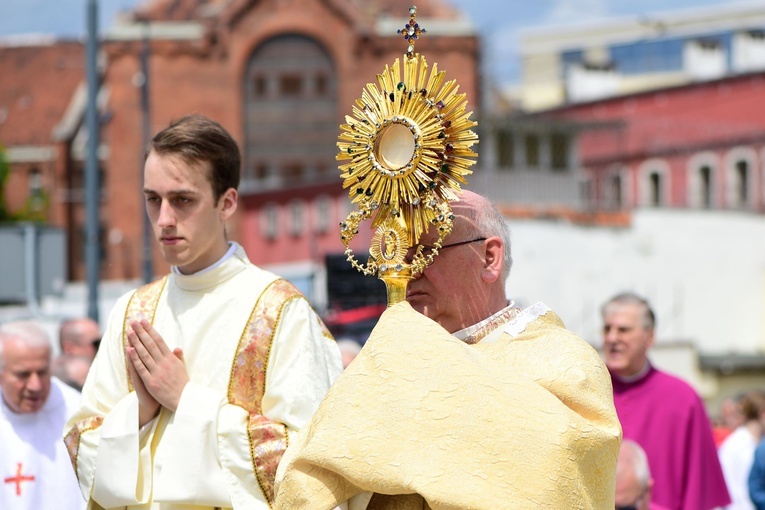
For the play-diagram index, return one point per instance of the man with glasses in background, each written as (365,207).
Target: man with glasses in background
(79,337)
(470,403)
(78,340)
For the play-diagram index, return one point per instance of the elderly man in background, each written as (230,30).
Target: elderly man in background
(660,412)
(470,403)
(633,479)
(35,470)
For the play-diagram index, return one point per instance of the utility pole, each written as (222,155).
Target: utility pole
(92,184)
(148,270)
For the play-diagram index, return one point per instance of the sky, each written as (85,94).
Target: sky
(498,21)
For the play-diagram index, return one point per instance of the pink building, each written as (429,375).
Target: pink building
(700,145)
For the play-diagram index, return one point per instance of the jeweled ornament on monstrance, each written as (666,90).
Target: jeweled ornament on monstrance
(407,149)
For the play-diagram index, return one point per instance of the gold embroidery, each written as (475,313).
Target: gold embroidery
(72,439)
(268,440)
(142,305)
(493,324)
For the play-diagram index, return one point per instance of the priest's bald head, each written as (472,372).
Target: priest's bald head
(79,337)
(25,357)
(465,284)
(628,333)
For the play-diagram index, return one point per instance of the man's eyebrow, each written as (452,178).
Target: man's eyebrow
(174,192)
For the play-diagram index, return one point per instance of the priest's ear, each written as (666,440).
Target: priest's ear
(494,253)
(227,203)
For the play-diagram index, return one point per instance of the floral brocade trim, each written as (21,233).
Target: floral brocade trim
(247,385)
(142,305)
(492,325)
(72,439)
(268,442)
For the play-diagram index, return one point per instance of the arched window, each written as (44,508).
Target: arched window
(654,183)
(297,217)
(741,186)
(290,111)
(705,186)
(322,214)
(741,177)
(612,188)
(616,191)
(269,221)
(702,187)
(654,189)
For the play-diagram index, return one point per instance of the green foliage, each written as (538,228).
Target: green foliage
(34,208)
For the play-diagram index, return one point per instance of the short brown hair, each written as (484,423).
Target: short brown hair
(196,138)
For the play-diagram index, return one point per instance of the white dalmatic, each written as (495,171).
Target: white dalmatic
(35,470)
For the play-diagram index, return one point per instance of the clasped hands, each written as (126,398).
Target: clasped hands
(157,373)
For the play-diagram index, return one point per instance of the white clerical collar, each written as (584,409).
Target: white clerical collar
(230,253)
(632,378)
(486,326)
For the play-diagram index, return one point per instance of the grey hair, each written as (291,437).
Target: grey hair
(27,332)
(487,221)
(630,298)
(638,461)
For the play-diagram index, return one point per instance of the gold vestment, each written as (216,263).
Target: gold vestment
(525,422)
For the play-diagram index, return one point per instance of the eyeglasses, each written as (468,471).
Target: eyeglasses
(428,250)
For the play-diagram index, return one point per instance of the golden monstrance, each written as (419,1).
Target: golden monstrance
(407,149)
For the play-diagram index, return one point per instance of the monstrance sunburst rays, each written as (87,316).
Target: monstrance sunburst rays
(407,151)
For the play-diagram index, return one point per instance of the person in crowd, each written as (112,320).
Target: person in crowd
(756,481)
(729,419)
(660,412)
(461,400)
(79,337)
(203,376)
(633,479)
(71,369)
(35,472)
(737,450)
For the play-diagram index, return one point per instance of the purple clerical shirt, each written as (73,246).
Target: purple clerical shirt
(665,416)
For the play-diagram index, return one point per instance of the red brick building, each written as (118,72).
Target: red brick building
(280,75)
(700,145)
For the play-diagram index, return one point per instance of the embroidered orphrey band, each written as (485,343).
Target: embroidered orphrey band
(142,305)
(247,385)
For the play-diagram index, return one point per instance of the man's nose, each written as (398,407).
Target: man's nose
(166,216)
(34,383)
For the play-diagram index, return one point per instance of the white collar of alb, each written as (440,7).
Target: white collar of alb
(472,330)
(229,253)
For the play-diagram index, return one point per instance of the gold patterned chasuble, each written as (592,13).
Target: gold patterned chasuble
(423,420)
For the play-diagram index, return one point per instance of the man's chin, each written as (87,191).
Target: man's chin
(418,303)
(615,366)
(30,407)
(172,256)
